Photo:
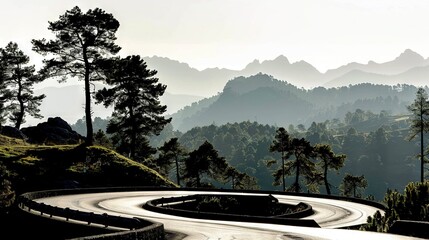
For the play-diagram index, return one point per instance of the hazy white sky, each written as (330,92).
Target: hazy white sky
(232,33)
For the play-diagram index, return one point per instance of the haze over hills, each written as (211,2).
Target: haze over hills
(187,85)
(408,68)
(267,100)
(404,62)
(69,103)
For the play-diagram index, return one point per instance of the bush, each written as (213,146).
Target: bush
(413,204)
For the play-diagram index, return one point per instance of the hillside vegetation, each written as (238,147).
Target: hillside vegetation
(36,167)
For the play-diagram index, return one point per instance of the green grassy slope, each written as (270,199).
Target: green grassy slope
(39,167)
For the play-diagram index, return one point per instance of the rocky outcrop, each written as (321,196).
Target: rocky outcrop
(12,132)
(54,131)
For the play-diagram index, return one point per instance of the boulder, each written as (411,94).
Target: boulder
(54,131)
(12,132)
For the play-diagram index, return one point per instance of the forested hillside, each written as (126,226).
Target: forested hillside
(267,100)
(376,147)
(241,123)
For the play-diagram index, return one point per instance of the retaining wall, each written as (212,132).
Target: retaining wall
(161,205)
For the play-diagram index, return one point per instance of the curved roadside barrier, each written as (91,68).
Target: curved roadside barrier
(136,228)
(162,205)
(133,228)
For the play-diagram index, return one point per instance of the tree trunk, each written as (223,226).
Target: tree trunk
(422,158)
(354,190)
(177,171)
(325,179)
(198,180)
(297,188)
(88,118)
(20,116)
(283,171)
(133,134)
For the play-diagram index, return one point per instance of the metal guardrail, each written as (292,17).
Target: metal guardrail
(140,226)
(135,226)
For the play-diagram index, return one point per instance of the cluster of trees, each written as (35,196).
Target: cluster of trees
(301,165)
(246,146)
(203,163)
(376,141)
(360,115)
(296,160)
(17,78)
(413,204)
(83,47)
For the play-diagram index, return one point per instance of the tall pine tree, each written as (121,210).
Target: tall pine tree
(135,93)
(420,123)
(20,77)
(352,186)
(301,165)
(202,162)
(171,152)
(82,41)
(329,160)
(282,144)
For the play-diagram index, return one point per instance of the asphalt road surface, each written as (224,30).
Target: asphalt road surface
(329,214)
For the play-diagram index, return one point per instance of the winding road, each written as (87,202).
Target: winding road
(329,214)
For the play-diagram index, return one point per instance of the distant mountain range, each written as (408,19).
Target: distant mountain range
(187,85)
(408,68)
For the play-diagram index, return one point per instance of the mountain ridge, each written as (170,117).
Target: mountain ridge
(267,100)
(208,82)
(187,85)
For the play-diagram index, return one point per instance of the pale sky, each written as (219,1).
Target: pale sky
(232,33)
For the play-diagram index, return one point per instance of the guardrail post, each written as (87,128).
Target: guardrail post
(91,216)
(137,228)
(106,219)
(67,213)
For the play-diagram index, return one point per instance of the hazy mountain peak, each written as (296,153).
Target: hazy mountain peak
(302,62)
(410,56)
(299,73)
(254,63)
(281,59)
(242,85)
(406,61)
(157,60)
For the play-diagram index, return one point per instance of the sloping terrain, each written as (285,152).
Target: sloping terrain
(37,167)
